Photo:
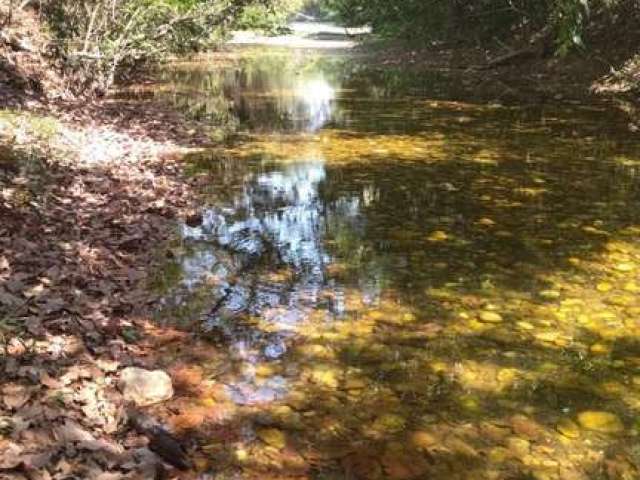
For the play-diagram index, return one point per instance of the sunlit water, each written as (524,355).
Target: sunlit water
(304,34)
(393,280)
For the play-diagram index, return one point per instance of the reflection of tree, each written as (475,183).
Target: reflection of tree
(275,220)
(275,95)
(200,97)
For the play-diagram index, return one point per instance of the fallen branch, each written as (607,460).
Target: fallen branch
(512,57)
(92,56)
(533,49)
(16,43)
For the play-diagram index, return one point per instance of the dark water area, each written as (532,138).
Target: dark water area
(400,282)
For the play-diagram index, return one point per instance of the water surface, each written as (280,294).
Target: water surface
(394,280)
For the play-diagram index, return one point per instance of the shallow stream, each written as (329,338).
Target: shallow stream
(392,280)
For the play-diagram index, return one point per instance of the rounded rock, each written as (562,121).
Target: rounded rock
(145,387)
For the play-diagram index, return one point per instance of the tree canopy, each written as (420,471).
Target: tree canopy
(104,39)
(477,20)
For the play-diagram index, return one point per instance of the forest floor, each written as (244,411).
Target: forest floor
(90,192)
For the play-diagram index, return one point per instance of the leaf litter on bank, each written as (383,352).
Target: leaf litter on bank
(73,298)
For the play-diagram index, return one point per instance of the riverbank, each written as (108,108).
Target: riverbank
(608,73)
(91,193)
(86,210)
(536,79)
(606,70)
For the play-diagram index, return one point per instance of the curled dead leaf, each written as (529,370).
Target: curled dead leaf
(36,461)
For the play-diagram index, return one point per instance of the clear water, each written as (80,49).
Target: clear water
(396,279)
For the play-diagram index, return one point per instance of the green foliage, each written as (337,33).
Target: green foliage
(106,39)
(269,18)
(475,20)
(569,18)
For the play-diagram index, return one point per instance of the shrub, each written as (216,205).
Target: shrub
(103,40)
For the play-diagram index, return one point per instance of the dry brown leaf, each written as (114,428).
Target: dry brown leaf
(9,299)
(77,372)
(109,476)
(34,326)
(34,436)
(48,381)
(36,461)
(53,305)
(16,283)
(15,396)
(10,455)
(73,432)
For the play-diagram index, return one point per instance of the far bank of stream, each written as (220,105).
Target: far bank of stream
(396,280)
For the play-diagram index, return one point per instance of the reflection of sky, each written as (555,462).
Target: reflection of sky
(279,209)
(294,225)
(197,266)
(316,96)
(282,211)
(272,96)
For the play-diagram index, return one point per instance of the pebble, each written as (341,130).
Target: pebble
(355,384)
(550,294)
(604,287)
(490,317)
(625,267)
(600,349)
(518,446)
(507,375)
(438,236)
(325,376)
(603,422)
(272,437)
(495,433)
(547,336)
(498,455)
(525,326)
(241,455)
(525,427)
(486,222)
(423,440)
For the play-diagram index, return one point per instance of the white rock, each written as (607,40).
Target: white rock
(145,387)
